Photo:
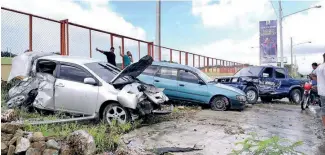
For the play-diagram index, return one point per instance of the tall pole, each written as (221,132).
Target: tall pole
(158,41)
(281,39)
(291,56)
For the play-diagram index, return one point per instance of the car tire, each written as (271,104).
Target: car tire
(115,111)
(252,94)
(295,96)
(266,99)
(219,103)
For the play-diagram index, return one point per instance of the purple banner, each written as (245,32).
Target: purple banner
(268,41)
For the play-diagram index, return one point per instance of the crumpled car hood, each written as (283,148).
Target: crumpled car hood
(134,69)
(230,88)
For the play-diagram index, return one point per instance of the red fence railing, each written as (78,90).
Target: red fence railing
(21,30)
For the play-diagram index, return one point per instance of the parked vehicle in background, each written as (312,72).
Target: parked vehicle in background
(266,82)
(190,84)
(310,96)
(86,87)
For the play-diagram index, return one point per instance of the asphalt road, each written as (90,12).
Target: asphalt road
(217,132)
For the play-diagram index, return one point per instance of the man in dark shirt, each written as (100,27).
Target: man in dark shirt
(109,55)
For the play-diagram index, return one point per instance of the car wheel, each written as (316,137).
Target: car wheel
(17,101)
(295,96)
(115,112)
(219,103)
(252,95)
(266,99)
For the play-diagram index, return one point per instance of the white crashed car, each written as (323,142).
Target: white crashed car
(84,86)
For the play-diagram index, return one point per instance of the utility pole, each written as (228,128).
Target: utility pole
(291,55)
(158,30)
(281,39)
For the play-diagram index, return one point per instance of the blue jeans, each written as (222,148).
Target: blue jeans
(322,108)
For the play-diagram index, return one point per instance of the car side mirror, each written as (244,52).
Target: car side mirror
(266,75)
(201,82)
(89,81)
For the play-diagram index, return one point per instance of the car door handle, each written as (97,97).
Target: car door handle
(182,85)
(157,81)
(59,85)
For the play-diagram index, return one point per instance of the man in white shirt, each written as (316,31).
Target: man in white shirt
(320,73)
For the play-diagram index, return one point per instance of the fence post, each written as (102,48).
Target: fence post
(149,49)
(159,54)
(199,61)
(63,38)
(67,25)
(112,40)
(193,60)
(139,49)
(90,52)
(171,55)
(122,52)
(180,57)
(186,58)
(30,33)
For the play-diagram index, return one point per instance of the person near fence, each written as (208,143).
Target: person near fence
(320,77)
(109,55)
(127,58)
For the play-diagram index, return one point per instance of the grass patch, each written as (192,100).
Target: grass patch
(271,146)
(106,137)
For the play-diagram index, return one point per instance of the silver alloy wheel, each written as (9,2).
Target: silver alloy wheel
(17,100)
(116,113)
(251,95)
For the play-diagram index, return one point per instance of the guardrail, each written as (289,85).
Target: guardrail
(21,31)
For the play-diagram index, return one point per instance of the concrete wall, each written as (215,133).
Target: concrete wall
(5,68)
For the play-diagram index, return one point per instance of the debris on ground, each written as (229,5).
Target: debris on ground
(9,115)
(234,130)
(163,150)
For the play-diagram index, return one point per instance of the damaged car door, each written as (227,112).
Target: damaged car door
(167,78)
(191,87)
(76,90)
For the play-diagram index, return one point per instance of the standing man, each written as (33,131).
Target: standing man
(127,59)
(109,55)
(320,77)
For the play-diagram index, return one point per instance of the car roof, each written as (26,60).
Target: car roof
(174,65)
(71,59)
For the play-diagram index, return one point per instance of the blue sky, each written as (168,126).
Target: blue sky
(178,26)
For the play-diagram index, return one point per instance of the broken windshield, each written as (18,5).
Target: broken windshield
(249,71)
(107,72)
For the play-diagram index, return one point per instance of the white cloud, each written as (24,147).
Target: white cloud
(232,13)
(307,26)
(98,15)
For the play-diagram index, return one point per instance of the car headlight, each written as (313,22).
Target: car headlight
(234,80)
(241,98)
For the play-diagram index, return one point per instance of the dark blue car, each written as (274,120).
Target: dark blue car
(266,82)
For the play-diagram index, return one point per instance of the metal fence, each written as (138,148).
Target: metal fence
(23,31)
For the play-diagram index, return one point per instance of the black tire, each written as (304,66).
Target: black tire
(115,111)
(295,96)
(220,103)
(266,99)
(305,102)
(17,100)
(252,94)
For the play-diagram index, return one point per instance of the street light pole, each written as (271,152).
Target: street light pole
(291,55)
(281,38)
(281,17)
(291,50)
(158,29)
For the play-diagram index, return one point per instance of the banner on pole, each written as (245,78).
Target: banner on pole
(268,41)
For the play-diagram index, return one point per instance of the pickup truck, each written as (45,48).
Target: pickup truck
(266,82)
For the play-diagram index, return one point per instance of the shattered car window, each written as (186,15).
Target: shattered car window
(72,73)
(106,72)
(249,71)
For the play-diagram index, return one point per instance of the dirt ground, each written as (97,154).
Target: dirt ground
(217,132)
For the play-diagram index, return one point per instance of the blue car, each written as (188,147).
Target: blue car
(187,83)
